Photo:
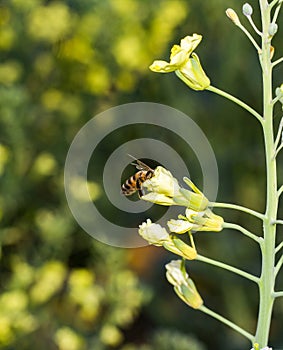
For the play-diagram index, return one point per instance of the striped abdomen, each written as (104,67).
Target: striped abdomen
(134,183)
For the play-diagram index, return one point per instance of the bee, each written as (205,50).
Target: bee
(134,183)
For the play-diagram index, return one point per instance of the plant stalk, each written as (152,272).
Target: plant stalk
(235,100)
(228,268)
(237,207)
(227,322)
(267,278)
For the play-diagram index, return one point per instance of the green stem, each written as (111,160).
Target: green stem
(279,134)
(278,294)
(227,267)
(277,249)
(235,100)
(250,37)
(237,207)
(267,279)
(276,99)
(227,322)
(277,222)
(278,266)
(276,12)
(192,240)
(253,25)
(279,192)
(278,150)
(273,3)
(277,61)
(243,230)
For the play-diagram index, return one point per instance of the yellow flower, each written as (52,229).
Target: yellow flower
(195,198)
(179,226)
(162,186)
(153,233)
(183,285)
(179,247)
(162,182)
(158,236)
(205,221)
(158,198)
(185,63)
(165,190)
(196,221)
(179,55)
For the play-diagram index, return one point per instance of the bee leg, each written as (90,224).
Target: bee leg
(139,188)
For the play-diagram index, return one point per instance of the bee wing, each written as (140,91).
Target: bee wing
(140,165)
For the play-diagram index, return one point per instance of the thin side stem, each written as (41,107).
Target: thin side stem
(242,230)
(237,101)
(277,249)
(192,240)
(276,99)
(276,12)
(278,150)
(278,294)
(279,192)
(227,322)
(279,134)
(277,61)
(237,207)
(273,3)
(277,222)
(250,37)
(228,268)
(254,26)
(278,266)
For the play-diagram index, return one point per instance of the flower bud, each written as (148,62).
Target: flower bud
(178,247)
(272,30)
(196,199)
(183,285)
(279,91)
(187,251)
(175,275)
(279,94)
(230,13)
(247,9)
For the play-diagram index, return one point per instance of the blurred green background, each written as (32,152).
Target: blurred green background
(61,63)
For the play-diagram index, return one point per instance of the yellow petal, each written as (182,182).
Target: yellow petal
(189,43)
(178,59)
(158,198)
(162,67)
(179,226)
